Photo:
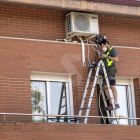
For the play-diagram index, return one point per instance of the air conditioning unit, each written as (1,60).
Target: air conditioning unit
(82,23)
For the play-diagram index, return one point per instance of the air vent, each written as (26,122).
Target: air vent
(81,22)
(68,22)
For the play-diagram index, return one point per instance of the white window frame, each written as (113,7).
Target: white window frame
(131,97)
(49,77)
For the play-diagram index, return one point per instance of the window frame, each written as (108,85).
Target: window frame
(56,77)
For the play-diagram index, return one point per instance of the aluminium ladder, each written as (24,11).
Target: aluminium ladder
(61,106)
(100,65)
(105,103)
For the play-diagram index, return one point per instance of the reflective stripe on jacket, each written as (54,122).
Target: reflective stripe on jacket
(109,62)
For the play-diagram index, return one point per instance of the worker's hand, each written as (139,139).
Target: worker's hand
(99,57)
(103,55)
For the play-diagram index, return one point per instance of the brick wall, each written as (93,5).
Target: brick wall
(33,131)
(20,21)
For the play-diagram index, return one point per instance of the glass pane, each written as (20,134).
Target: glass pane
(58,103)
(38,91)
(122,100)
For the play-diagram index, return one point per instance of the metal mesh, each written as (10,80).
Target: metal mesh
(81,23)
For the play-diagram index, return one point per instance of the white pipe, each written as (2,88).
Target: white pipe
(83,53)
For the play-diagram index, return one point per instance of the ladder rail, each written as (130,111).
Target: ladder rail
(62,96)
(110,92)
(104,99)
(85,92)
(92,91)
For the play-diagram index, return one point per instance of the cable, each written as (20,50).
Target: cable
(92,44)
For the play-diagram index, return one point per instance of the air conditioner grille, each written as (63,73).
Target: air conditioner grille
(81,22)
(68,23)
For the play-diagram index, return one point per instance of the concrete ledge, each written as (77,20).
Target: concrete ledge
(81,5)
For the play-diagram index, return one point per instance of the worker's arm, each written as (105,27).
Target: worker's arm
(115,59)
(97,58)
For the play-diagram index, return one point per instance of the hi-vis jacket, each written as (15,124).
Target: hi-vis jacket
(109,62)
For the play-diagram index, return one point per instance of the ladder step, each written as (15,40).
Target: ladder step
(93,77)
(112,109)
(76,119)
(82,108)
(108,99)
(63,97)
(64,113)
(80,118)
(93,64)
(105,88)
(63,106)
(87,98)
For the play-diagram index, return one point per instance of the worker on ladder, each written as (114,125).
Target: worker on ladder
(109,57)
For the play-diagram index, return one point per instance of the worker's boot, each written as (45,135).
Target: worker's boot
(117,106)
(109,107)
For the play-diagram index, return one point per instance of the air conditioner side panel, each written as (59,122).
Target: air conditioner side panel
(94,26)
(72,21)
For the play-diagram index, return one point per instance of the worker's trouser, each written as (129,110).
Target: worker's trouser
(111,79)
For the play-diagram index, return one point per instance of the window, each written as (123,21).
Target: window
(39,99)
(126,100)
(51,95)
